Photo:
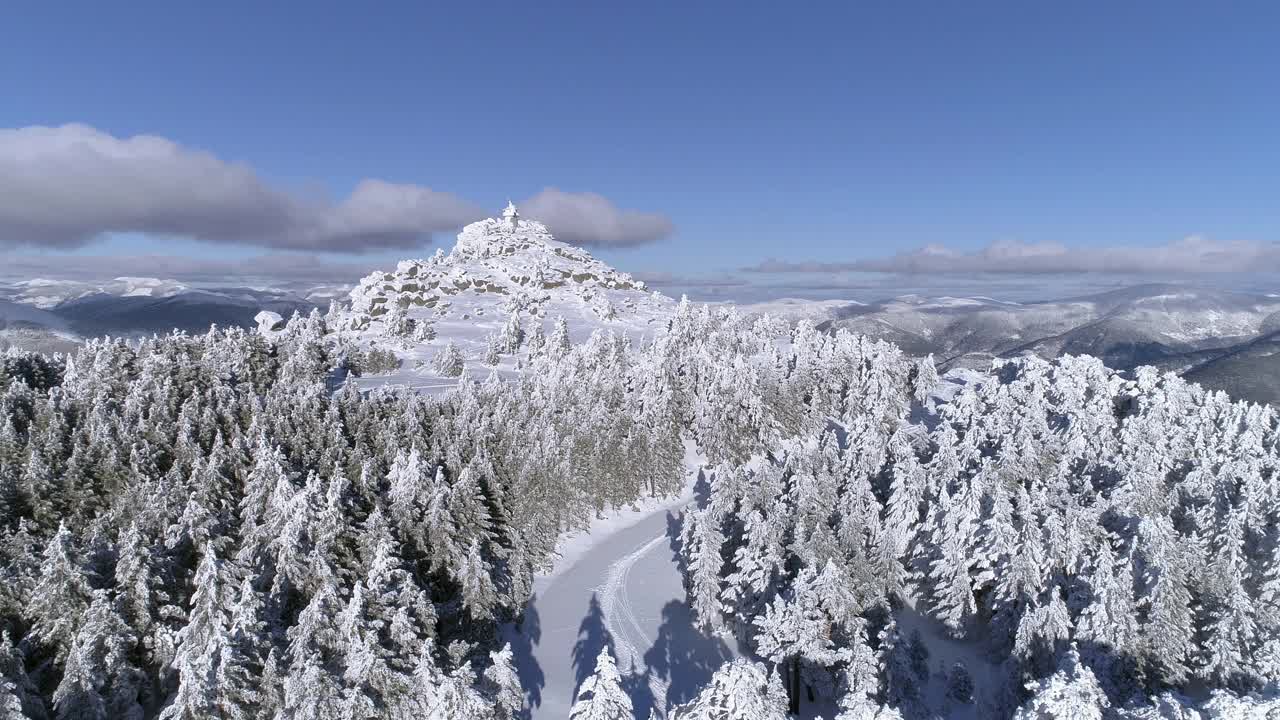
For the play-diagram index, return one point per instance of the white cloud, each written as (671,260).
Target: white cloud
(592,220)
(1190,255)
(61,187)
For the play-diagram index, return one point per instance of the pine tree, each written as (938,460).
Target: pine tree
(19,696)
(1169,629)
(739,690)
(240,665)
(370,680)
(10,703)
(61,596)
(758,563)
(1072,692)
(903,509)
(474,575)
(504,684)
(492,351)
(953,590)
(1110,620)
(395,598)
(512,335)
(601,696)
(200,644)
(558,344)
(704,546)
(861,674)
(79,694)
(448,362)
(925,378)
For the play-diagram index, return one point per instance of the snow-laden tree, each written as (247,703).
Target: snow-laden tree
(924,378)
(511,337)
(907,492)
(60,597)
(601,696)
(503,684)
(201,642)
(739,690)
(448,361)
(1110,621)
(10,703)
(1071,693)
(369,679)
(1169,632)
(492,351)
(241,662)
(18,694)
(704,545)
(142,449)
(558,342)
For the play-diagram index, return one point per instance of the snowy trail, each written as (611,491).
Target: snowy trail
(619,587)
(620,616)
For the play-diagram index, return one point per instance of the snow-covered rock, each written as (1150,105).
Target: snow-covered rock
(269,321)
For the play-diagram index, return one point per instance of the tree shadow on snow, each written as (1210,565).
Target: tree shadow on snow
(682,656)
(702,489)
(592,636)
(523,637)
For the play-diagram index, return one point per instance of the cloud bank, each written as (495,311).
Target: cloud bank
(62,187)
(1190,255)
(592,220)
(267,268)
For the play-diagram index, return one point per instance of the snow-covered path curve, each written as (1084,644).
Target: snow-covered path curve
(624,591)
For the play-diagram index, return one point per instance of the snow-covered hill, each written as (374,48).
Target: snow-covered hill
(1146,324)
(134,306)
(192,310)
(498,268)
(1250,371)
(31,328)
(46,293)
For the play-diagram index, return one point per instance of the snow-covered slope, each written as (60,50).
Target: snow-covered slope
(499,266)
(30,328)
(1250,371)
(18,315)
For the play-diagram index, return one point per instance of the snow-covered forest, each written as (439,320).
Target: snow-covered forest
(217,527)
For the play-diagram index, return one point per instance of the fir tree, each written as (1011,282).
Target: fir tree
(60,597)
(601,696)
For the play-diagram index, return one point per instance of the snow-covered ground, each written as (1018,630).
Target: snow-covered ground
(617,584)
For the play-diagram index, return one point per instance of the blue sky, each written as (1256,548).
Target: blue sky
(828,132)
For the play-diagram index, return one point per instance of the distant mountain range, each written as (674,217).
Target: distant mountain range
(53,315)
(1220,339)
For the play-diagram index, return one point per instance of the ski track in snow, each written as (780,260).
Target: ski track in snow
(620,617)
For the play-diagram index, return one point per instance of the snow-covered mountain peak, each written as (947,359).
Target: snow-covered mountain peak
(499,267)
(511,258)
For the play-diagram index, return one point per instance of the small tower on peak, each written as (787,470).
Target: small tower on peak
(511,215)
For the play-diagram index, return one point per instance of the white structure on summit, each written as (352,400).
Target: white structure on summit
(511,215)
